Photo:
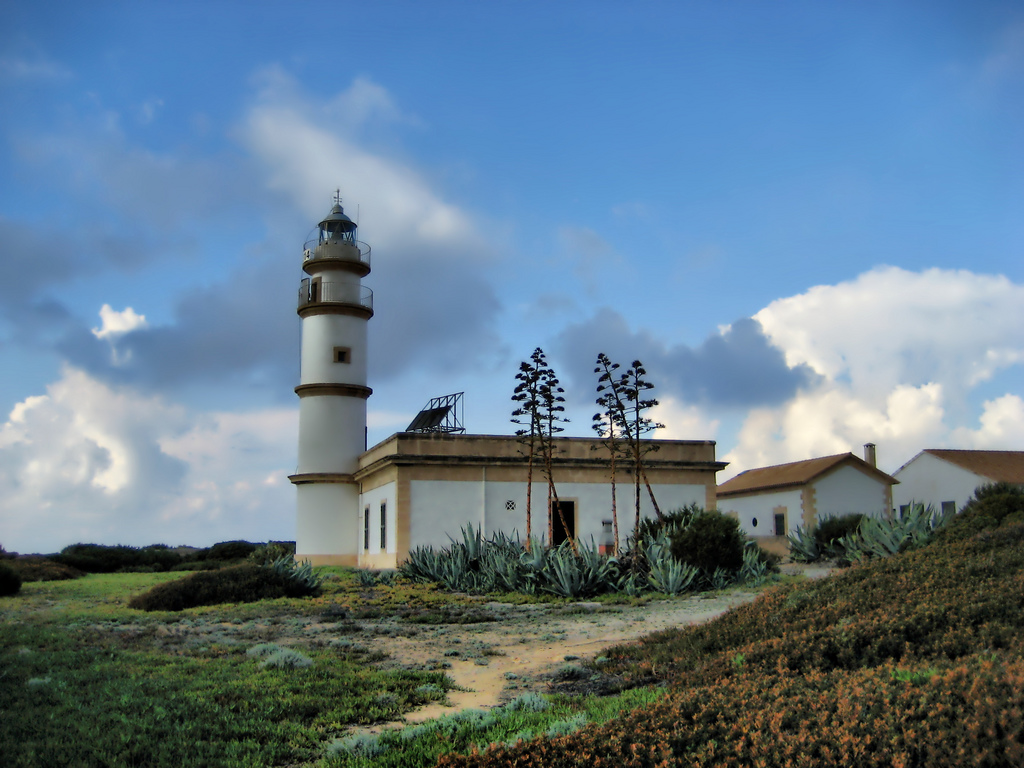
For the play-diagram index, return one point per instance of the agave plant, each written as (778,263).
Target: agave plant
(575,574)
(671,576)
(755,570)
(300,573)
(422,565)
(881,537)
(803,547)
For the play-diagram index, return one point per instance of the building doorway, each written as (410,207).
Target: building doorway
(563,532)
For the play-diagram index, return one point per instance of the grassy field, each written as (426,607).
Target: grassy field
(916,660)
(86,681)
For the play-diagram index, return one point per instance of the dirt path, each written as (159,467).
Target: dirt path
(498,660)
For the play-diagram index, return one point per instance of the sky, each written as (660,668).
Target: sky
(805,218)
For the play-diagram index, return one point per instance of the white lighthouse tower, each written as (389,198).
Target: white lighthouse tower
(334,307)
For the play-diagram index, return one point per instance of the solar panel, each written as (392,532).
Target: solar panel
(441,414)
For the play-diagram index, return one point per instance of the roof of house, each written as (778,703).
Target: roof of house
(794,474)
(1005,466)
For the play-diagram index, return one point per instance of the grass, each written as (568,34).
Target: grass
(86,681)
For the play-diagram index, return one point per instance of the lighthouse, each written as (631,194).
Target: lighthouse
(334,306)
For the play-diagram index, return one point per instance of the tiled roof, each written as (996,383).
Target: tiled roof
(796,473)
(1006,466)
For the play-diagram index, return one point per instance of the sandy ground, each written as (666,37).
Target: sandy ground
(495,661)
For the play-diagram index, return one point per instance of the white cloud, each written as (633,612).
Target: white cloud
(90,462)
(1001,426)
(117,323)
(890,326)
(682,422)
(308,152)
(899,353)
(832,419)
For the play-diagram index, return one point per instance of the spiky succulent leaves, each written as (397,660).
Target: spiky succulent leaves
(756,569)
(666,574)
(526,415)
(803,546)
(300,573)
(881,537)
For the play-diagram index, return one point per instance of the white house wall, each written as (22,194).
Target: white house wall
(756,513)
(370,509)
(930,480)
(440,507)
(847,490)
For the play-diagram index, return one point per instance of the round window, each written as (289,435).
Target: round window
(754,522)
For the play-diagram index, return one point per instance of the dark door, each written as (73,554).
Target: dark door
(565,510)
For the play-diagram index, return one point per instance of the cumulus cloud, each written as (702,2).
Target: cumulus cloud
(434,304)
(890,326)
(244,333)
(682,421)
(898,355)
(114,323)
(90,462)
(736,367)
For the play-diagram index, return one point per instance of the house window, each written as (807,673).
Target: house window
(949,507)
(510,506)
(780,523)
(753,523)
(366,529)
(343,354)
(383,525)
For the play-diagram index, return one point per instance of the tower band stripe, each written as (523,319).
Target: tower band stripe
(346,390)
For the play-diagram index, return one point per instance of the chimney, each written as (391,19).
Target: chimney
(869,454)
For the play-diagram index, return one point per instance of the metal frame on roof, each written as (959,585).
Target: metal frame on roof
(441,415)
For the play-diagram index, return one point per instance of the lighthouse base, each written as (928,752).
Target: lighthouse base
(327,522)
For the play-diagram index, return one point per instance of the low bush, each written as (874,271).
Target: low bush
(711,541)
(990,507)
(100,558)
(10,582)
(237,584)
(230,550)
(34,568)
(271,551)
(829,673)
(830,530)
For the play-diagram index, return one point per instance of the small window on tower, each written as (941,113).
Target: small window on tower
(343,354)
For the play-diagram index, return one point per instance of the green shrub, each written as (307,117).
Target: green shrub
(271,551)
(830,530)
(990,507)
(10,582)
(100,558)
(35,568)
(652,527)
(711,541)
(244,583)
(231,550)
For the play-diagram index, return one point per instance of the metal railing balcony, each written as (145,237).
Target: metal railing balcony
(346,250)
(331,292)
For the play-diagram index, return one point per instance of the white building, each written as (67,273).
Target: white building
(947,478)
(370,508)
(771,502)
(419,489)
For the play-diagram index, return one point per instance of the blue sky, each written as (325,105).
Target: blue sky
(804,217)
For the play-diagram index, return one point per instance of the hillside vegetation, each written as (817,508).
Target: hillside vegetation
(914,660)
